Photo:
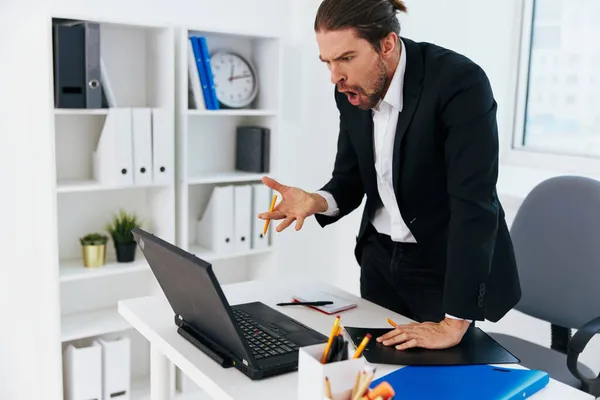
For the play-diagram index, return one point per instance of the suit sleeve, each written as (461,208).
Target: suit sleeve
(345,184)
(468,113)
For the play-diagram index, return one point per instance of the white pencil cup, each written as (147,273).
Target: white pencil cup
(312,374)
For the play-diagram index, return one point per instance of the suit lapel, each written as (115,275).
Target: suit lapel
(413,76)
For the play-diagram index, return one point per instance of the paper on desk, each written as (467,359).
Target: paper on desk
(339,303)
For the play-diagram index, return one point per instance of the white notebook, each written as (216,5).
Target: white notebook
(339,303)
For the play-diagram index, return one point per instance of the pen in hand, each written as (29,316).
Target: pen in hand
(306,303)
(270,210)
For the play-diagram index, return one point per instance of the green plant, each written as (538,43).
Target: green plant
(121,225)
(92,239)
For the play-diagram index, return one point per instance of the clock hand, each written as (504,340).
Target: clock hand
(240,77)
(231,75)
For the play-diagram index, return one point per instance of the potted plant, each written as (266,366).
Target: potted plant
(93,248)
(120,231)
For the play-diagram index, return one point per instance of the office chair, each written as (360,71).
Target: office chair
(556,236)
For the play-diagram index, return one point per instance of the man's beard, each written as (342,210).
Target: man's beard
(380,83)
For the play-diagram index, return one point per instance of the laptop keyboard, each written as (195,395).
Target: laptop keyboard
(261,343)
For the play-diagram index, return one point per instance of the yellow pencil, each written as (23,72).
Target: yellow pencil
(362,345)
(331,337)
(392,323)
(270,210)
(328,388)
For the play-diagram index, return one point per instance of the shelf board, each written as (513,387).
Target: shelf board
(209,255)
(73,270)
(225,177)
(81,111)
(74,186)
(236,112)
(92,323)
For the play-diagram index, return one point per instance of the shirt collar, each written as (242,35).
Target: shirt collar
(393,96)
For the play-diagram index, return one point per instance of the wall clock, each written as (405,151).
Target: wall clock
(236,82)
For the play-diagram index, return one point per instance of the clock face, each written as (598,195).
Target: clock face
(235,80)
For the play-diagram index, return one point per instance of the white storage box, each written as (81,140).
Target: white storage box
(312,374)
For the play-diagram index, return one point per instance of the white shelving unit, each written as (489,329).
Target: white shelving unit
(140,62)
(206,138)
(206,149)
(148,67)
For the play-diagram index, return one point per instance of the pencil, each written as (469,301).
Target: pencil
(328,388)
(362,345)
(356,383)
(392,323)
(270,210)
(331,337)
(363,386)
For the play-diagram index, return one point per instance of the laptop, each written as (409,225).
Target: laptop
(252,337)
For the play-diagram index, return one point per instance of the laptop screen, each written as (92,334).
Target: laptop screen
(192,290)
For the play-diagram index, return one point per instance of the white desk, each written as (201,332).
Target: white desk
(153,318)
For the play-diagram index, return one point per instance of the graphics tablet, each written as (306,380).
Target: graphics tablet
(476,347)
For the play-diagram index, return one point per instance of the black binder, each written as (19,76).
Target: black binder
(76,56)
(252,149)
(476,347)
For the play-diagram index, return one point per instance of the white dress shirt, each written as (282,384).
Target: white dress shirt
(387,219)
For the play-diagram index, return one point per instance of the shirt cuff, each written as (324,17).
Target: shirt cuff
(332,208)
(453,317)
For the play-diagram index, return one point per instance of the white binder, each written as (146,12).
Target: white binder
(197,96)
(116,368)
(141,119)
(215,226)
(163,146)
(242,199)
(113,157)
(261,201)
(82,372)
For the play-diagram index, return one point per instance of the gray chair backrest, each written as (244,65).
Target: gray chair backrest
(556,235)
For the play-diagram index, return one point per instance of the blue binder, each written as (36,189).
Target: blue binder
(464,382)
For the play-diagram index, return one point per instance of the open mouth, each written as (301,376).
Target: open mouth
(353,97)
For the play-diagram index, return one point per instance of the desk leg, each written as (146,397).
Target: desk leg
(160,375)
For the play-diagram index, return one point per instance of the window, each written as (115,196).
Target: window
(559,86)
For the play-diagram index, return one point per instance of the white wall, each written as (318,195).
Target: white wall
(29,338)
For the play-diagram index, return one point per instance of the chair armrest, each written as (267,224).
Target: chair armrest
(575,347)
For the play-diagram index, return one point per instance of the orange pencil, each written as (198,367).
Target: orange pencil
(331,337)
(270,210)
(362,345)
(392,323)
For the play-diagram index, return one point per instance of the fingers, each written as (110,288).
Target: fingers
(286,222)
(299,223)
(272,215)
(400,338)
(407,345)
(273,184)
(389,335)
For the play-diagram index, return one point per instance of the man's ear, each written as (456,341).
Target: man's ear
(389,44)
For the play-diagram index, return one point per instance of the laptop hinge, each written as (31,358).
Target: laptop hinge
(210,348)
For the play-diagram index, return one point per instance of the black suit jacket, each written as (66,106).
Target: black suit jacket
(445,170)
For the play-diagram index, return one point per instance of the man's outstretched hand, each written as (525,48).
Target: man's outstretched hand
(429,335)
(295,205)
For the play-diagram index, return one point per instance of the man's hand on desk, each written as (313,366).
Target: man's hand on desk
(429,335)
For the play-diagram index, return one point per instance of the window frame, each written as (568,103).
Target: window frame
(514,152)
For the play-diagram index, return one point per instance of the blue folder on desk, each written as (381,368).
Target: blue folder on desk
(464,382)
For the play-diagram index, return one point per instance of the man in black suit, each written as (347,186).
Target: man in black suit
(418,136)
